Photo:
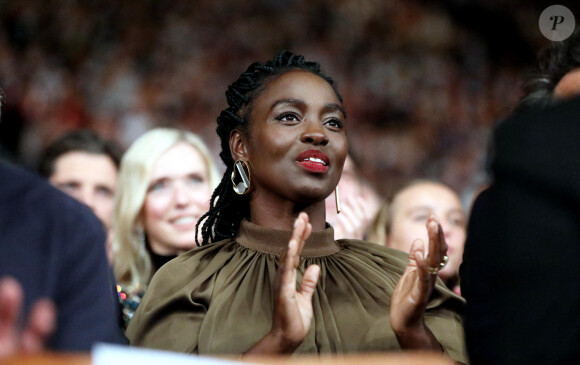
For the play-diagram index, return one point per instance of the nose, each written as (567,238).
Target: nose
(88,198)
(314,133)
(182,195)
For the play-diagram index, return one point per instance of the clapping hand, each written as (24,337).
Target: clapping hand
(293,313)
(414,289)
(37,329)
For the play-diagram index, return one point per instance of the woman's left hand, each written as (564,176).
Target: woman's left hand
(414,289)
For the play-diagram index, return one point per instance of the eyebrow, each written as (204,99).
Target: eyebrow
(328,107)
(426,207)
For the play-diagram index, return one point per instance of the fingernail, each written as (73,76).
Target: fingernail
(434,225)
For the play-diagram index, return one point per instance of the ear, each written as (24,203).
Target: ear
(238,145)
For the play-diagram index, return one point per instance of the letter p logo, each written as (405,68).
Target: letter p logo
(557,23)
(556,19)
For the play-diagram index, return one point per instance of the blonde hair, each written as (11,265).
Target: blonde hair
(132,263)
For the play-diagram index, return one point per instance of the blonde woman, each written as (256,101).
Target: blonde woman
(165,183)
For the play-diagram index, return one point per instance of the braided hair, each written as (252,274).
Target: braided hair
(227,209)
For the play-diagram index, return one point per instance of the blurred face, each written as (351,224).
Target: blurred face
(569,86)
(297,143)
(90,178)
(410,210)
(177,196)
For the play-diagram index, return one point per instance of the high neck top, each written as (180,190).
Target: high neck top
(275,241)
(218,298)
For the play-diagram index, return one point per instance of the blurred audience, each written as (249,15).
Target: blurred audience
(85,166)
(401,221)
(423,82)
(165,184)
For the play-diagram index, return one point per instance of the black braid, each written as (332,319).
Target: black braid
(227,209)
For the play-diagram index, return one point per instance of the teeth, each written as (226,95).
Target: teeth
(314,159)
(185,220)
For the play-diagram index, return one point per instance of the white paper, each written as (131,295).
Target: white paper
(106,354)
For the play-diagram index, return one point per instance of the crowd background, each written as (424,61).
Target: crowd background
(423,81)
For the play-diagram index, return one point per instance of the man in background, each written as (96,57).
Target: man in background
(85,166)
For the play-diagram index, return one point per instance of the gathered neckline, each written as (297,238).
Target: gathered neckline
(274,241)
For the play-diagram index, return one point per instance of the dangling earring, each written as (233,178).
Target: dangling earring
(337,200)
(141,235)
(243,169)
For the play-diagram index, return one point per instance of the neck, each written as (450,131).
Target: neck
(158,259)
(281,213)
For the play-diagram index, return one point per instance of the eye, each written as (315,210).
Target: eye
(458,221)
(105,192)
(420,218)
(288,117)
(159,185)
(69,186)
(195,179)
(334,123)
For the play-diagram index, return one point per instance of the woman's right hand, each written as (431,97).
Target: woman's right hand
(293,313)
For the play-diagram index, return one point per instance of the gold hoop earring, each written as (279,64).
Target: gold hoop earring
(337,200)
(243,169)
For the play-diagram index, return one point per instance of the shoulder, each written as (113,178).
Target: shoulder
(29,196)
(535,148)
(199,263)
(47,217)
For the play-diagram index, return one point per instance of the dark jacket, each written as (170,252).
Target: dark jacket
(55,247)
(521,268)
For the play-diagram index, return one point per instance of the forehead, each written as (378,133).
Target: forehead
(297,84)
(432,195)
(180,159)
(79,162)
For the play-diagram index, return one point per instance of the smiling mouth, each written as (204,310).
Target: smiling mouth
(314,161)
(313,164)
(184,221)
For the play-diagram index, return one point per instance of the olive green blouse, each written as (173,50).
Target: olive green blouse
(217,299)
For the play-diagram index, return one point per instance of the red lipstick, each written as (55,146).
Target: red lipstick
(313,161)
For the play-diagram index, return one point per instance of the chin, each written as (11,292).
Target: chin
(184,244)
(312,194)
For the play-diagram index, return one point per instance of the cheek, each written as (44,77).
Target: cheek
(104,210)
(458,240)
(154,210)
(202,197)
(273,144)
(405,233)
